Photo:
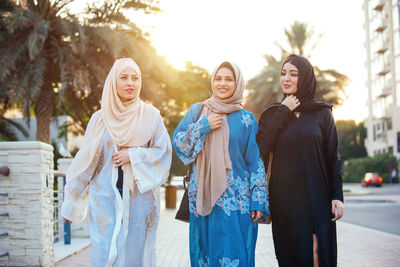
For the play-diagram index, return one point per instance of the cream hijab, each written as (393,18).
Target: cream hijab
(213,162)
(130,124)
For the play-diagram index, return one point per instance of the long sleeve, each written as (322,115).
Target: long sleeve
(75,201)
(150,165)
(271,124)
(189,136)
(332,156)
(255,167)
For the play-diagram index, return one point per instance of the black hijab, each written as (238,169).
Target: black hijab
(306,87)
(306,84)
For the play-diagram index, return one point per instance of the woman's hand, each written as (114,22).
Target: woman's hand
(215,121)
(337,209)
(120,158)
(256,215)
(291,102)
(66,220)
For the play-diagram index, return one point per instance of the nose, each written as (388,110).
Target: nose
(130,81)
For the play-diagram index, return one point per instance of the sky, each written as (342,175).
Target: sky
(206,32)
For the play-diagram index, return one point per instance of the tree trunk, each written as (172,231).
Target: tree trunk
(43,111)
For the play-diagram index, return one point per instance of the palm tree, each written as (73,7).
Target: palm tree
(49,55)
(36,53)
(265,87)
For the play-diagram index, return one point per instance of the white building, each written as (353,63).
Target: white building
(382,20)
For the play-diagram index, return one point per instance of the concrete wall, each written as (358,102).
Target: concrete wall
(29,204)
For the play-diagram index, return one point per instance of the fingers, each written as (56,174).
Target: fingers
(215,121)
(291,101)
(120,158)
(256,215)
(337,209)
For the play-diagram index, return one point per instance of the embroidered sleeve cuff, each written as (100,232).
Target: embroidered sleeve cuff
(205,126)
(255,205)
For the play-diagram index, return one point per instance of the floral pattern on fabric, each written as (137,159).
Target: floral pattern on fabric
(191,141)
(246,120)
(226,262)
(227,236)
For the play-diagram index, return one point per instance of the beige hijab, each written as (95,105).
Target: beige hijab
(213,162)
(130,124)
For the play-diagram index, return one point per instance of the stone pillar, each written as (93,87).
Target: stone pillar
(29,204)
(63,164)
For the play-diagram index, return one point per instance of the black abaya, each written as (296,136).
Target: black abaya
(305,178)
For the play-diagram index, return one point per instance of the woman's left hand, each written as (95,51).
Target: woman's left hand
(256,215)
(120,158)
(337,209)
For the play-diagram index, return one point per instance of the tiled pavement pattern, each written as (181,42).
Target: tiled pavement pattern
(357,246)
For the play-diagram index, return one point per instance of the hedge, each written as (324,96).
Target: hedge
(354,169)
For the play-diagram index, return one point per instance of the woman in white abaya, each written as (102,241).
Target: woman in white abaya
(126,136)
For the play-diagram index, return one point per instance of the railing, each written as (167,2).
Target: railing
(61,230)
(4,171)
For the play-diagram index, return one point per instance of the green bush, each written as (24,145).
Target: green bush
(354,169)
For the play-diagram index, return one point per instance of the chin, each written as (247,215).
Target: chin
(288,92)
(127,98)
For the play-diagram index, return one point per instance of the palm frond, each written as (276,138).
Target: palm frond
(17,125)
(37,39)
(7,5)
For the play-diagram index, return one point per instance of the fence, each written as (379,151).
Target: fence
(62,231)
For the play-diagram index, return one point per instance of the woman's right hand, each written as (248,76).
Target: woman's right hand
(215,121)
(291,102)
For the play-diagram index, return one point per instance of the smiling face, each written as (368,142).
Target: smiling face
(128,84)
(224,84)
(289,78)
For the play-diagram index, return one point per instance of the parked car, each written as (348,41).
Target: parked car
(371,178)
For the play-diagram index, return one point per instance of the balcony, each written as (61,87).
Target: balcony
(379,6)
(387,90)
(381,28)
(382,50)
(386,70)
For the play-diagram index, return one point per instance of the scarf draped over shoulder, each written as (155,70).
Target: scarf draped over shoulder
(130,124)
(213,162)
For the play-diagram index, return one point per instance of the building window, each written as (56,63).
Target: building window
(389,124)
(390,149)
(398,142)
(374,134)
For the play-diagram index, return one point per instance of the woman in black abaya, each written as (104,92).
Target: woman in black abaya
(306,197)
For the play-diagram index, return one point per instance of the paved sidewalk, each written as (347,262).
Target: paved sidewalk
(357,246)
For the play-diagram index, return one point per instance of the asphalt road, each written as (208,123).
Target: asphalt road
(373,207)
